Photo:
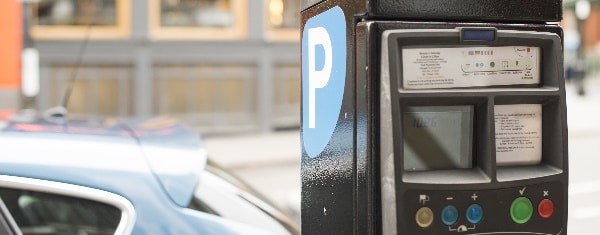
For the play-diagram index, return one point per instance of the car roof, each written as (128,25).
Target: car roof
(104,153)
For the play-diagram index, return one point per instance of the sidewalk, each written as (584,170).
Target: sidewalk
(584,145)
(250,150)
(583,112)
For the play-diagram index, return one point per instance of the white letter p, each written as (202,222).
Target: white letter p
(317,79)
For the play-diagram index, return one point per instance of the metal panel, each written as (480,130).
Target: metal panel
(469,10)
(458,10)
(497,183)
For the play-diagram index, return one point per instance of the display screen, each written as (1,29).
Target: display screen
(437,137)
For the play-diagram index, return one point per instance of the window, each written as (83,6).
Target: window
(43,213)
(283,20)
(287,95)
(198,19)
(105,90)
(69,19)
(210,97)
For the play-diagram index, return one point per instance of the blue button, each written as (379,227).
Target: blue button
(449,215)
(474,214)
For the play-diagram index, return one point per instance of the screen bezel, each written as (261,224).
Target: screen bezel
(484,169)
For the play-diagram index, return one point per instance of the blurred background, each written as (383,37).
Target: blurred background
(229,68)
(222,65)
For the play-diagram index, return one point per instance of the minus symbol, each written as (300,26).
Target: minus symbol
(449,198)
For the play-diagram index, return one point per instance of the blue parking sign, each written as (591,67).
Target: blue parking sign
(323,77)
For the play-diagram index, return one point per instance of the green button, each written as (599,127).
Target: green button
(521,210)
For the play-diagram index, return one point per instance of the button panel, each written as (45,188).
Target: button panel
(522,209)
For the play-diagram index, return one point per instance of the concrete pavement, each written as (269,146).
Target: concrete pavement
(584,157)
(252,150)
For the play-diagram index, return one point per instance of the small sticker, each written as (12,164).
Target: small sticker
(430,68)
(518,134)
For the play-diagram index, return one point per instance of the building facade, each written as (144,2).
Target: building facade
(10,54)
(220,65)
(582,34)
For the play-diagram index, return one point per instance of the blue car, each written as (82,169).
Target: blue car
(104,176)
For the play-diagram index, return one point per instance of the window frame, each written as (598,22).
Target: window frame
(121,29)
(238,31)
(128,215)
(59,77)
(7,222)
(208,120)
(273,34)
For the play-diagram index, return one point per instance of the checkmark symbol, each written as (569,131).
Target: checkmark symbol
(522,191)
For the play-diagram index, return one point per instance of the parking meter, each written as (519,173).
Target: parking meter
(433,117)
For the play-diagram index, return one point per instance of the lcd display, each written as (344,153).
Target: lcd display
(437,137)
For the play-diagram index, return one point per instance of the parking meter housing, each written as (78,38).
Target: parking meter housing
(359,183)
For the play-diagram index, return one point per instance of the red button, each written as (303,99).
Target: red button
(546,208)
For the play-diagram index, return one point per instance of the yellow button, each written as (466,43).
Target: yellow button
(424,217)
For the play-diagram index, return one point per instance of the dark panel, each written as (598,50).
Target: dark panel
(308,3)
(353,5)
(497,195)
(459,10)
(368,215)
(469,10)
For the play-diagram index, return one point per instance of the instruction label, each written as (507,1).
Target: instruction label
(518,134)
(430,68)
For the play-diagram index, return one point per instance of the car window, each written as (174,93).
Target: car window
(44,213)
(220,196)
